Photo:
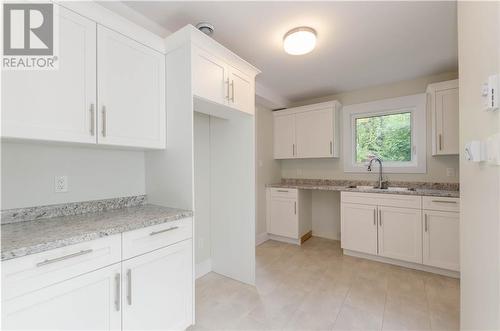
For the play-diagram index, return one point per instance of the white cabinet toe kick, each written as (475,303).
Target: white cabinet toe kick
(411,231)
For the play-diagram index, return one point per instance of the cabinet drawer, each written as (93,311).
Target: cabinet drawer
(441,203)
(284,192)
(153,237)
(32,272)
(382,199)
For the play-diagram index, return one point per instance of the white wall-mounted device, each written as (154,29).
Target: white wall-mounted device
(475,151)
(490,93)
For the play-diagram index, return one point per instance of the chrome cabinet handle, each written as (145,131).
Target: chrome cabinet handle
(444,201)
(103,121)
(295,207)
(227,90)
(293,149)
(380,217)
(331,148)
(129,287)
(62,258)
(284,191)
(161,231)
(375,216)
(117,291)
(440,141)
(232,91)
(92,119)
(425,223)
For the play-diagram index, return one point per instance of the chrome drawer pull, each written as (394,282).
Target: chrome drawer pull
(443,201)
(62,258)
(284,191)
(129,287)
(161,231)
(117,292)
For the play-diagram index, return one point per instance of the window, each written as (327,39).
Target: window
(386,136)
(391,129)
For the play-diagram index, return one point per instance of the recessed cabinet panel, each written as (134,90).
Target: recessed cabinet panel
(56,105)
(284,136)
(242,95)
(441,239)
(359,228)
(87,302)
(400,233)
(210,77)
(157,289)
(131,92)
(314,133)
(283,217)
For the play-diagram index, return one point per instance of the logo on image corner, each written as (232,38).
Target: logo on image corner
(29,36)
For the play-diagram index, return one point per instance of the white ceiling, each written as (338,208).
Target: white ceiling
(360,44)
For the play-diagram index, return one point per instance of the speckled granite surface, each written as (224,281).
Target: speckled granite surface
(68,209)
(30,237)
(418,188)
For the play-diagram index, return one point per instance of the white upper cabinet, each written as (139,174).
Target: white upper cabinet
(56,105)
(210,77)
(307,132)
(131,92)
(443,102)
(284,136)
(109,89)
(242,91)
(218,75)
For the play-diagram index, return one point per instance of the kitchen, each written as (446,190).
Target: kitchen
(261,185)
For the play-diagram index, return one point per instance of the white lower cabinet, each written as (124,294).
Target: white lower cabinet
(397,227)
(69,288)
(289,213)
(87,302)
(441,239)
(400,233)
(359,228)
(158,289)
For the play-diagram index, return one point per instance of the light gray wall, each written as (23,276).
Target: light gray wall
(202,187)
(334,168)
(28,172)
(479,56)
(268,169)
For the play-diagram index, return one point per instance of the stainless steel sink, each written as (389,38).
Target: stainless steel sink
(390,188)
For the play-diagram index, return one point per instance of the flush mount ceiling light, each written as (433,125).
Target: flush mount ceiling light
(205,27)
(299,41)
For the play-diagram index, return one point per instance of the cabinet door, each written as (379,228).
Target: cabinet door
(446,113)
(87,302)
(283,217)
(210,77)
(158,289)
(242,95)
(400,233)
(358,228)
(441,239)
(284,136)
(314,133)
(56,105)
(131,91)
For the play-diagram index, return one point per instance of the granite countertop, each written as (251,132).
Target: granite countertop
(422,189)
(35,236)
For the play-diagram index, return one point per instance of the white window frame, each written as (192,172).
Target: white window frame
(414,104)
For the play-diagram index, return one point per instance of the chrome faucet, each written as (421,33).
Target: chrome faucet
(380,180)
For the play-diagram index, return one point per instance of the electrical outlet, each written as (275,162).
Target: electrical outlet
(450,172)
(61,184)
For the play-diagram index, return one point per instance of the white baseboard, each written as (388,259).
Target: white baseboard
(284,239)
(411,265)
(325,236)
(203,268)
(261,238)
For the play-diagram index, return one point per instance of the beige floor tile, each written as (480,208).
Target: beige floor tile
(315,287)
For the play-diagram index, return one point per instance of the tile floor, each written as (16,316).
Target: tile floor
(315,287)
